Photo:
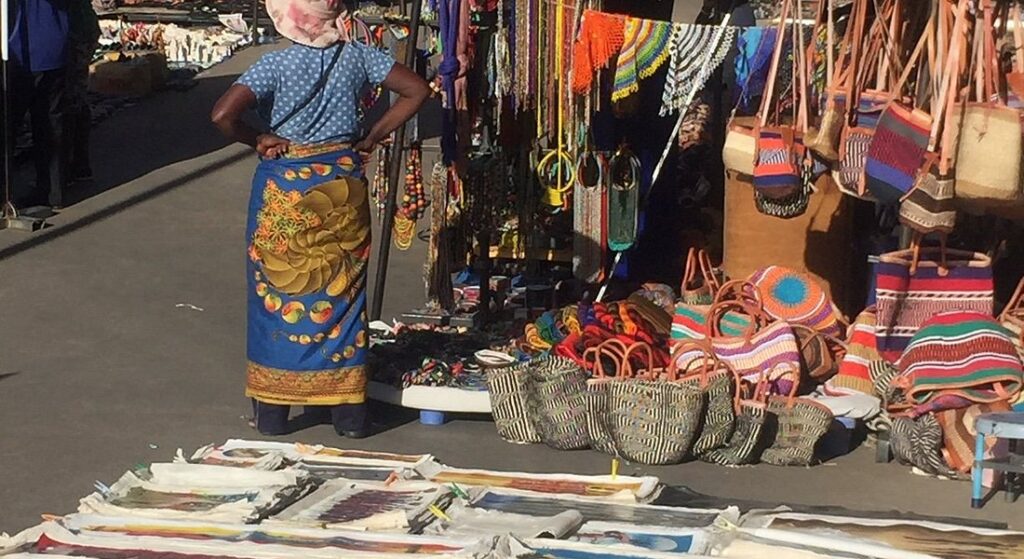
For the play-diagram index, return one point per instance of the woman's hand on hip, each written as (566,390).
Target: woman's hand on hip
(270,146)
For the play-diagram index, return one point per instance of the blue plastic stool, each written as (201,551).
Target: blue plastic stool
(1008,426)
(429,417)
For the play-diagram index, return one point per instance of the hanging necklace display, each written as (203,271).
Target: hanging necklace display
(588,217)
(687,69)
(556,170)
(438,269)
(379,190)
(623,200)
(414,203)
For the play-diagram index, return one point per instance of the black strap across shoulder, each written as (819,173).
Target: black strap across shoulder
(317,87)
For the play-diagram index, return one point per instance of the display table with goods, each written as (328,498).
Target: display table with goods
(252,499)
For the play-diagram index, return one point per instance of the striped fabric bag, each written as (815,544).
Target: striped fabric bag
(855,142)
(964,354)
(764,349)
(910,290)
(776,174)
(861,351)
(896,152)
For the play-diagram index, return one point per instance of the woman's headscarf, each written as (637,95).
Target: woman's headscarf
(314,23)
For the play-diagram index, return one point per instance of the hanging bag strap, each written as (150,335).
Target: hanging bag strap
(766,98)
(314,92)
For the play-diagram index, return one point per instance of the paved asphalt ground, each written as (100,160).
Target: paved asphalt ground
(122,339)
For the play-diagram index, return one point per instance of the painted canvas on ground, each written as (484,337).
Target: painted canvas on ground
(363,505)
(620,487)
(681,540)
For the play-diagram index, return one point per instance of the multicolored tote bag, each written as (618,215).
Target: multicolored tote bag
(960,353)
(911,288)
(764,349)
(930,207)
(896,152)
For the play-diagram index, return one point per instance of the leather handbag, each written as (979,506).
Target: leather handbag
(820,354)
(915,284)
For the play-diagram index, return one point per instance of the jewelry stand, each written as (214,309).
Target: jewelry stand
(9,219)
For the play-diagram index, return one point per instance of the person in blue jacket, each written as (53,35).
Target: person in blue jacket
(38,42)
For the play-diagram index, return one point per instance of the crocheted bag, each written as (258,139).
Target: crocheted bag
(911,288)
(959,353)
(797,298)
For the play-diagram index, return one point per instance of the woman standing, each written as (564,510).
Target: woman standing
(308,230)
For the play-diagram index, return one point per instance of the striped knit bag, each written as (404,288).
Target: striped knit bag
(861,349)
(690,322)
(855,142)
(776,174)
(929,208)
(896,152)
(961,353)
(909,292)
(772,351)
(919,443)
(507,387)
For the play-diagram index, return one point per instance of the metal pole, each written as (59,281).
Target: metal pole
(255,22)
(394,173)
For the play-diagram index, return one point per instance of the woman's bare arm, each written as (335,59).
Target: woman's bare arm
(412,92)
(227,116)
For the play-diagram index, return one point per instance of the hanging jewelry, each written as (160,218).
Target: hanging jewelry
(414,202)
(379,191)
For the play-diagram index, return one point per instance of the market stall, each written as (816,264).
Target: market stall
(849,276)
